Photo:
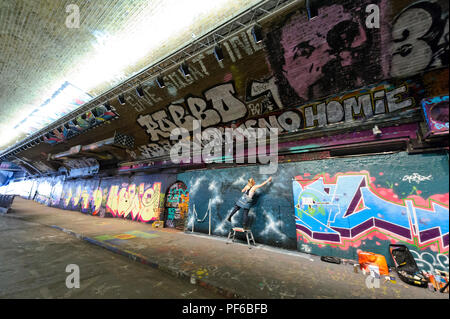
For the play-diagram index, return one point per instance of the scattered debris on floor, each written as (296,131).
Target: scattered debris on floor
(330,259)
(405,266)
(369,261)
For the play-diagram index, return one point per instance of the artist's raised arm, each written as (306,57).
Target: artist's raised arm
(263,183)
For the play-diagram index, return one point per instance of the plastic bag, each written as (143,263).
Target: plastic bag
(367,258)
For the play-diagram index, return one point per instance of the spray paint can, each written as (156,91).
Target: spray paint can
(355,268)
(433,281)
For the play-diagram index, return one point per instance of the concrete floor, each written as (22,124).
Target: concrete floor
(33,260)
(34,254)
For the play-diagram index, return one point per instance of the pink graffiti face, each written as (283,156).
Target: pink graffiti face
(310,45)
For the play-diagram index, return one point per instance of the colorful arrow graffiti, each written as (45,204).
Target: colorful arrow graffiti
(341,210)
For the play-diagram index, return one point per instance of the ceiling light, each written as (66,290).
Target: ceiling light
(257,33)
(185,69)
(218,53)
(312,9)
(121,99)
(140,91)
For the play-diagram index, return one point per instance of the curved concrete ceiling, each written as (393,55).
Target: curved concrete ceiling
(43,49)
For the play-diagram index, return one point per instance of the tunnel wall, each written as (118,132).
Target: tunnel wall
(335,206)
(338,71)
(139,198)
(325,207)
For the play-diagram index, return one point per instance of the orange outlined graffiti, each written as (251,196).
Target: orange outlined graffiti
(137,202)
(141,203)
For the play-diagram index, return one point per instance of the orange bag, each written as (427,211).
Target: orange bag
(367,258)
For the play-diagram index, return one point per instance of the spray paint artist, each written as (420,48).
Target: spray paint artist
(247,200)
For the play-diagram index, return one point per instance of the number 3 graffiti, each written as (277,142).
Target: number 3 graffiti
(420,39)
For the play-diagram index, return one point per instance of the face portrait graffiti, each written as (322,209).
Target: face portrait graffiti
(330,53)
(420,45)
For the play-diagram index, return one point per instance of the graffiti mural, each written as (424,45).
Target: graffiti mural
(296,78)
(328,207)
(382,100)
(429,262)
(420,38)
(138,198)
(332,206)
(325,78)
(64,100)
(354,209)
(335,68)
(88,120)
(176,206)
(135,202)
(342,208)
(5,177)
(289,80)
(212,196)
(71,195)
(87,195)
(225,107)
(54,137)
(333,52)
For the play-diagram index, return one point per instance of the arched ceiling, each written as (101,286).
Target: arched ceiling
(41,51)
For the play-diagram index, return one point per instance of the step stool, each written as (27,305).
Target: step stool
(248,234)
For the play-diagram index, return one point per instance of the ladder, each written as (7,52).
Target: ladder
(248,234)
